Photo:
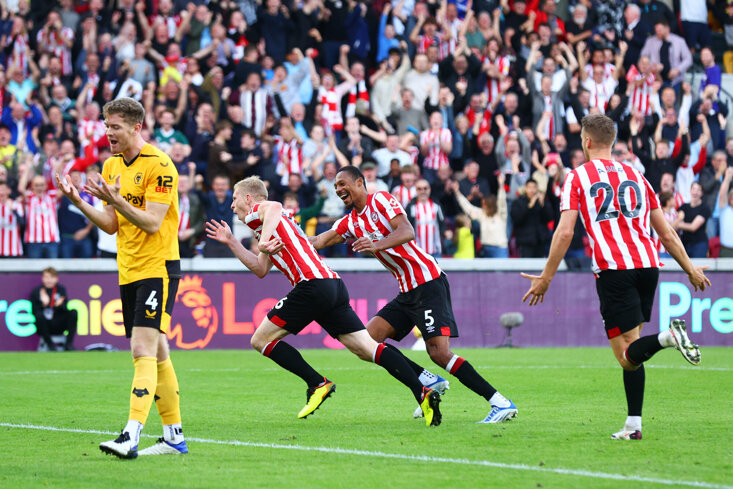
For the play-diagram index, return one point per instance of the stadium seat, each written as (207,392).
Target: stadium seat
(714,247)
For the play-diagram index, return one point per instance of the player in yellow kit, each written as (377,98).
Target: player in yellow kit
(139,188)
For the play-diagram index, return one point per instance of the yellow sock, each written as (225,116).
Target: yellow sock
(143,388)
(166,393)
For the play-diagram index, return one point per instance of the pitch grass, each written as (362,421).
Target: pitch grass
(570,401)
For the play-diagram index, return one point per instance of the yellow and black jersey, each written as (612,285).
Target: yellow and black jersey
(150,177)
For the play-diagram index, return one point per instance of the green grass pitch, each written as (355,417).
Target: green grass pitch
(239,413)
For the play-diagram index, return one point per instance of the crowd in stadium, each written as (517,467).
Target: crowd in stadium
(468,111)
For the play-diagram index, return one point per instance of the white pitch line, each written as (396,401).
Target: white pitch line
(367,367)
(399,456)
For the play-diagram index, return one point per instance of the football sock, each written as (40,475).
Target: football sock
(643,349)
(414,366)
(394,363)
(468,376)
(291,360)
(665,339)
(633,423)
(166,394)
(634,387)
(143,387)
(173,433)
(499,401)
(133,428)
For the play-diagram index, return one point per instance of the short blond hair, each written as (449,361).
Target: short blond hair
(253,186)
(131,111)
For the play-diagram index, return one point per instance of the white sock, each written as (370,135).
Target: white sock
(665,338)
(499,401)
(633,423)
(173,433)
(134,428)
(427,378)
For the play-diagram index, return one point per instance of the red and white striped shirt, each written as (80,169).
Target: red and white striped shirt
(41,224)
(298,260)
(10,243)
(357,92)
(608,70)
(184,212)
(409,264)
(289,158)
(404,194)
(600,93)
(615,203)
(426,216)
(55,43)
(445,47)
(90,132)
(331,107)
(485,124)
(640,96)
(502,64)
(433,139)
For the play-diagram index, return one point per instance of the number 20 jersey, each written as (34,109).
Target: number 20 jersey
(615,203)
(150,177)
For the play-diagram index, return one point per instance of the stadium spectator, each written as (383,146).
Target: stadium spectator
(190,212)
(41,222)
(725,205)
(669,55)
(531,214)
(218,206)
(492,218)
(463,240)
(74,228)
(406,191)
(711,178)
(427,219)
(391,151)
(11,220)
(52,316)
(691,219)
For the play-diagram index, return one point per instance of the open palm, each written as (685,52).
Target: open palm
(218,231)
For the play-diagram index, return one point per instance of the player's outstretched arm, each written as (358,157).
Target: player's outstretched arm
(673,244)
(106,219)
(260,264)
(560,244)
(326,239)
(402,232)
(148,219)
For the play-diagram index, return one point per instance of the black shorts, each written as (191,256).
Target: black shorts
(427,306)
(149,302)
(627,297)
(325,301)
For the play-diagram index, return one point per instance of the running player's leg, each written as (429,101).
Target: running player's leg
(434,317)
(626,298)
(439,350)
(634,378)
(267,340)
(363,345)
(381,327)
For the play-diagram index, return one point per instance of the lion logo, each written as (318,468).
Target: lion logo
(200,319)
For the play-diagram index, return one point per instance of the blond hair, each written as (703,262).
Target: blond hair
(131,111)
(253,186)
